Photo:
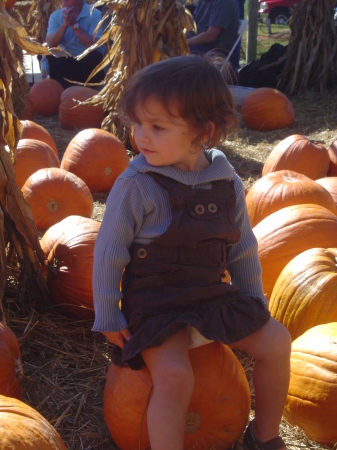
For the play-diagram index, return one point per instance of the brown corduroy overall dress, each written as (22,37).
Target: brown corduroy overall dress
(176,281)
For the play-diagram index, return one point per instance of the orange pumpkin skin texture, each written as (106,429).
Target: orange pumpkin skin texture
(10,363)
(96,156)
(71,262)
(332,150)
(305,293)
(72,115)
(23,427)
(32,155)
(312,397)
(288,232)
(217,414)
(32,130)
(267,109)
(300,154)
(54,194)
(45,96)
(283,188)
(330,184)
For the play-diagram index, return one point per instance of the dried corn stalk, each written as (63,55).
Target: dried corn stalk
(16,219)
(311,54)
(38,17)
(140,32)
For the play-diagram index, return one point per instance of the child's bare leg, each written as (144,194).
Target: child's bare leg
(271,347)
(173,381)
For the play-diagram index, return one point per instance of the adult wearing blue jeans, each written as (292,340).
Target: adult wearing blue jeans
(217,24)
(72,29)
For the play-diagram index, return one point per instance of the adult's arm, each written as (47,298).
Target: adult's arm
(205,37)
(54,39)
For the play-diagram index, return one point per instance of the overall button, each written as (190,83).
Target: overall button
(141,253)
(212,208)
(199,209)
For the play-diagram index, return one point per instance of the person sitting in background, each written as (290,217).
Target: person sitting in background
(217,23)
(72,29)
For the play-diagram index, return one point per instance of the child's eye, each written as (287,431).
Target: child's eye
(157,127)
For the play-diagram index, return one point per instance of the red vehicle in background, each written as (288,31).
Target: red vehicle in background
(278,11)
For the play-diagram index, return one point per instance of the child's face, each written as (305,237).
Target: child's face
(165,140)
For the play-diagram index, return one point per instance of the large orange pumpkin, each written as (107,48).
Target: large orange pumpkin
(288,232)
(70,260)
(305,293)
(45,96)
(283,188)
(54,194)
(312,396)
(217,414)
(96,156)
(267,109)
(32,130)
(330,184)
(23,427)
(31,156)
(10,363)
(300,154)
(73,115)
(332,150)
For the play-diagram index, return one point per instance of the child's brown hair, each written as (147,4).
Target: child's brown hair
(193,85)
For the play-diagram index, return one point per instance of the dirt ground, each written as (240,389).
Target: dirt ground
(65,364)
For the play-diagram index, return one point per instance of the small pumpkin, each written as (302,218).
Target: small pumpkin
(32,155)
(312,396)
(283,188)
(300,154)
(32,130)
(97,157)
(45,96)
(330,184)
(74,115)
(10,363)
(23,427)
(217,413)
(54,194)
(304,294)
(288,232)
(267,109)
(332,150)
(69,248)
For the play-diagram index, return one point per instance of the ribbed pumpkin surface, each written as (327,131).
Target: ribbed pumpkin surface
(22,428)
(330,184)
(287,233)
(45,96)
(54,194)
(73,115)
(267,109)
(31,156)
(283,188)
(217,414)
(10,364)
(332,150)
(69,249)
(305,293)
(300,154)
(312,396)
(97,157)
(32,130)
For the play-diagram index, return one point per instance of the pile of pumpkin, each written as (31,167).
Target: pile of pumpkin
(293,213)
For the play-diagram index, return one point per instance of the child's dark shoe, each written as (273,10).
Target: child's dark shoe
(252,443)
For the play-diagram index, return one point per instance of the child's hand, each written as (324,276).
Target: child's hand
(118,337)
